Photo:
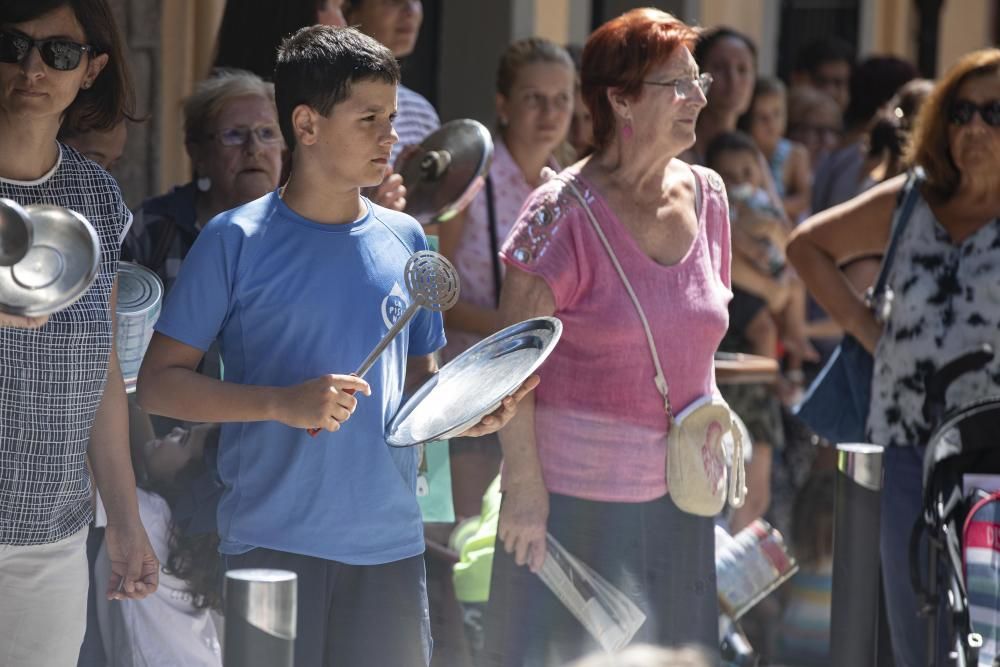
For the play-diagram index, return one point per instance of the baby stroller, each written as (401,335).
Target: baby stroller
(965,440)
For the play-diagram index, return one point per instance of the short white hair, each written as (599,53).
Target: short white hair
(213,93)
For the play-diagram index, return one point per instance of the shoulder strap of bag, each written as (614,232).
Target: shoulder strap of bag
(901,217)
(660,379)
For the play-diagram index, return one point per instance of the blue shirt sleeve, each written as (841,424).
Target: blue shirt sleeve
(200,302)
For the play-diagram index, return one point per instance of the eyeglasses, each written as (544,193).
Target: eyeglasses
(962,112)
(684,88)
(240,136)
(60,54)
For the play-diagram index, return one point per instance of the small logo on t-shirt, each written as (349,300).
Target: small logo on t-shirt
(393,306)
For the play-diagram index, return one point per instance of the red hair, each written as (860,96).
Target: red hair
(620,54)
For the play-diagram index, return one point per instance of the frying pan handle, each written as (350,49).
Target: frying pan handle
(315,431)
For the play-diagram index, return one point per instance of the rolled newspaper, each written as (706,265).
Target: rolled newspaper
(608,614)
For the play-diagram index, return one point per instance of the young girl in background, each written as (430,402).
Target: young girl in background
(766,122)
(173,626)
(536,82)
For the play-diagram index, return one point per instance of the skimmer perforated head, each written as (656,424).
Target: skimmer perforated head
(431,280)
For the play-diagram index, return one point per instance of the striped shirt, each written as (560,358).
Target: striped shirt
(415,119)
(52,379)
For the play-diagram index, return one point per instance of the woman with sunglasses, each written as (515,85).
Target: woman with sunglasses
(232,137)
(61,389)
(944,281)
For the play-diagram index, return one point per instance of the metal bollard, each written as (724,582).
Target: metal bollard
(854,616)
(260,607)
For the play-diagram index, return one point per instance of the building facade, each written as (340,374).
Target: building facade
(172,43)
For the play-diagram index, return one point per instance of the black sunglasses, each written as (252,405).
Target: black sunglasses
(59,54)
(962,112)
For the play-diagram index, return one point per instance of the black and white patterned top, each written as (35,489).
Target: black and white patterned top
(946,301)
(415,119)
(52,378)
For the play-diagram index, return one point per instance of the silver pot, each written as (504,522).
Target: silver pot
(58,266)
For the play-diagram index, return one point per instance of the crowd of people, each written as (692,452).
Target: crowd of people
(650,188)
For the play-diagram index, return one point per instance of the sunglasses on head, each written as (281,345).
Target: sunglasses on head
(962,112)
(59,54)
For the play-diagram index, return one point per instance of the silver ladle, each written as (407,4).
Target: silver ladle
(433,283)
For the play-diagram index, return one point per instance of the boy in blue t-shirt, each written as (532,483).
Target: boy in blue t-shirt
(296,285)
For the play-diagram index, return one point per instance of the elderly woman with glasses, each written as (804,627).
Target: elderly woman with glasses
(584,459)
(945,301)
(232,137)
(61,390)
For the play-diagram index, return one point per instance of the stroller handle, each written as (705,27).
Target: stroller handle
(936,386)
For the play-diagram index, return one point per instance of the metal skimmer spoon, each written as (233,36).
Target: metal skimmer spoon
(433,284)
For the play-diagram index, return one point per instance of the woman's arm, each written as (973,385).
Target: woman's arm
(134,567)
(856,227)
(525,509)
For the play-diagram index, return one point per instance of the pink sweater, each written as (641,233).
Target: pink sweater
(599,421)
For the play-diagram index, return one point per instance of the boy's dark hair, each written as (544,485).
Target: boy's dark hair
(317,65)
(111,99)
(822,51)
(736,142)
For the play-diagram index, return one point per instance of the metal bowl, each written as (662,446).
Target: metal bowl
(58,268)
(15,232)
(473,384)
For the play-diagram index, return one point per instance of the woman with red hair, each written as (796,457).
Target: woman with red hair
(584,459)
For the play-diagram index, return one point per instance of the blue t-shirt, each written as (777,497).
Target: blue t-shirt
(290,300)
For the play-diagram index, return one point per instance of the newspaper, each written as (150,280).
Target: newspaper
(750,565)
(608,614)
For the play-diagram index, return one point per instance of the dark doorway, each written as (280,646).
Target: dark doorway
(420,68)
(805,21)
